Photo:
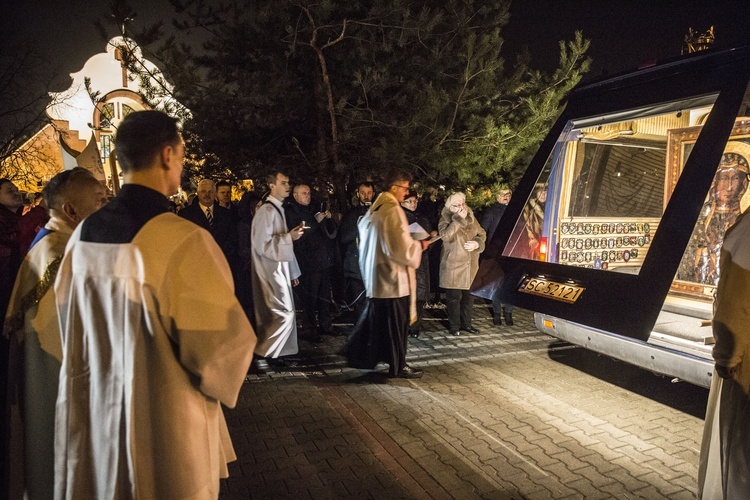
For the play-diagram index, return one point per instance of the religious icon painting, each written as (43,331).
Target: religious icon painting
(595,243)
(595,228)
(579,244)
(641,241)
(605,266)
(646,227)
(618,242)
(639,227)
(588,255)
(564,228)
(612,228)
(633,227)
(572,256)
(597,263)
(587,243)
(634,253)
(564,255)
(587,228)
(579,228)
(626,255)
(619,228)
(605,255)
(611,243)
(612,256)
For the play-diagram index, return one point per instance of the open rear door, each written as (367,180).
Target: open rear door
(598,227)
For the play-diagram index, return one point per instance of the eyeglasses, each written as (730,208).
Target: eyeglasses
(400,186)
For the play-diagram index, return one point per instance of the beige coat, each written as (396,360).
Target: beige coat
(143,379)
(458,266)
(388,255)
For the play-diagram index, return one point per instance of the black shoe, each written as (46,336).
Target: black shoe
(414,333)
(282,362)
(470,329)
(455,333)
(259,366)
(496,319)
(409,372)
(508,319)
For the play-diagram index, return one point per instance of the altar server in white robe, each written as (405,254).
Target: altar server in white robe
(724,469)
(275,272)
(32,327)
(154,340)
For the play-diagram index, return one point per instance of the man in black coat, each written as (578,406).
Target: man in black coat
(315,255)
(217,220)
(348,242)
(490,219)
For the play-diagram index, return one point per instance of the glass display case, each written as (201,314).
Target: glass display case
(619,219)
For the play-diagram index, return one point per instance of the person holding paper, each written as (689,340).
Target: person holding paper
(420,229)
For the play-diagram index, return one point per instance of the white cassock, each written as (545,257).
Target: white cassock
(274,267)
(31,325)
(154,341)
(724,469)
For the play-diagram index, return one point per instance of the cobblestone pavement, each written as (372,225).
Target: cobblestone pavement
(508,413)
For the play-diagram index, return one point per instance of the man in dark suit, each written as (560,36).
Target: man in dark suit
(208,214)
(315,255)
(490,219)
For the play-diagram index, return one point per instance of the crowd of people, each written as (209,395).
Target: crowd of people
(122,317)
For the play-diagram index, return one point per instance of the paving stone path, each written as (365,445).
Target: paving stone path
(508,413)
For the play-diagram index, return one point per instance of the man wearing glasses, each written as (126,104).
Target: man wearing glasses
(388,256)
(490,219)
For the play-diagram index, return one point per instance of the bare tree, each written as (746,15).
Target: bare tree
(25,81)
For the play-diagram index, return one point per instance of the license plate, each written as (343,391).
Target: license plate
(564,292)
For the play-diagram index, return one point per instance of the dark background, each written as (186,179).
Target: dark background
(623,33)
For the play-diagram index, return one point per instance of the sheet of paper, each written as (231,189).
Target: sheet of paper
(418,232)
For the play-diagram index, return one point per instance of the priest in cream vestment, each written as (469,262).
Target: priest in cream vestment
(154,340)
(32,327)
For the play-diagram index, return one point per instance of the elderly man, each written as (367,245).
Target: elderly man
(154,340)
(216,219)
(32,326)
(315,255)
(388,256)
(275,272)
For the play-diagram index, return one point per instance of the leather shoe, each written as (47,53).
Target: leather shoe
(470,329)
(409,372)
(259,366)
(508,319)
(455,333)
(414,333)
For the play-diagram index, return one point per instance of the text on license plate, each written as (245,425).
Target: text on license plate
(551,289)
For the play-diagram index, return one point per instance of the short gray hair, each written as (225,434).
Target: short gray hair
(457,196)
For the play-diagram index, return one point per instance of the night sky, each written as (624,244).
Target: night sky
(623,34)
